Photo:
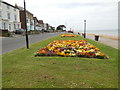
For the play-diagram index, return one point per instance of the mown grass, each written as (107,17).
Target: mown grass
(22,70)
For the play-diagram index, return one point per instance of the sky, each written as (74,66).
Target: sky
(99,14)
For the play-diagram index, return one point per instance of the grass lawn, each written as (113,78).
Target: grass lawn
(22,70)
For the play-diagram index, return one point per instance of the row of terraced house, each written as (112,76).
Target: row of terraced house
(13,18)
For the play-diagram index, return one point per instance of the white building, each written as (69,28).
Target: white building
(32,25)
(9,17)
(41,24)
(46,26)
(36,24)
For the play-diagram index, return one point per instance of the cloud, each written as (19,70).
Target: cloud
(76,5)
(100,14)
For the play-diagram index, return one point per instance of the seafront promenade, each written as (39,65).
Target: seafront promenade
(108,40)
(105,39)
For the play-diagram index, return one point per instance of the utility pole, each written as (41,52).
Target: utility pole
(84,28)
(66,25)
(27,41)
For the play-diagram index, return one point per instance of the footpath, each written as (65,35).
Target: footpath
(105,40)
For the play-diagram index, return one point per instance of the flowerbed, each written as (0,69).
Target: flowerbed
(68,35)
(73,48)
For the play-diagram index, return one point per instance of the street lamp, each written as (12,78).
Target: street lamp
(27,41)
(84,28)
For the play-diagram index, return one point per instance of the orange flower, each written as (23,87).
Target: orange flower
(87,54)
(67,54)
(43,51)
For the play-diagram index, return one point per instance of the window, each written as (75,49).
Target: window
(18,25)
(9,26)
(0,13)
(14,26)
(27,21)
(8,15)
(4,26)
(14,9)
(15,17)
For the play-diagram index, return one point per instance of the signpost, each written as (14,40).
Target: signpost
(84,28)
(27,41)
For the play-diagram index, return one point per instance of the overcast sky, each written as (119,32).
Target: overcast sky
(100,14)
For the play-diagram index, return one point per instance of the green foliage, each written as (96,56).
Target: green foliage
(60,27)
(6,34)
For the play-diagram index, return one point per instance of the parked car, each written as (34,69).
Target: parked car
(70,31)
(19,31)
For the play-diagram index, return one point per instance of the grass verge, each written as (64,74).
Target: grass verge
(22,70)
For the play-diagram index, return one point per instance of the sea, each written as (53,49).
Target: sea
(103,32)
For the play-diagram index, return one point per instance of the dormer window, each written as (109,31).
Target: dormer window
(8,7)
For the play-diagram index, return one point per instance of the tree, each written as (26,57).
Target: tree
(60,27)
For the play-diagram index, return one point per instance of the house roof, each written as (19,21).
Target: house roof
(29,12)
(35,18)
(40,21)
(22,9)
(9,4)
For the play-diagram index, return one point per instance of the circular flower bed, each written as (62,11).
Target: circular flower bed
(68,35)
(71,48)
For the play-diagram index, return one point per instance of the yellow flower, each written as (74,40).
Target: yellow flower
(79,50)
(92,50)
(97,49)
(62,53)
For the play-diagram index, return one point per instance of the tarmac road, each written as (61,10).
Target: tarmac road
(12,43)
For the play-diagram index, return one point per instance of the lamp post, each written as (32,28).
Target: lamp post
(27,41)
(84,28)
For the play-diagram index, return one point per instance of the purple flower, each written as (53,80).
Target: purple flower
(78,53)
(50,53)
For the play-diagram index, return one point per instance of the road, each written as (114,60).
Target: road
(12,43)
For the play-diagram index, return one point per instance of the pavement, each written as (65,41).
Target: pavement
(8,44)
(107,41)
